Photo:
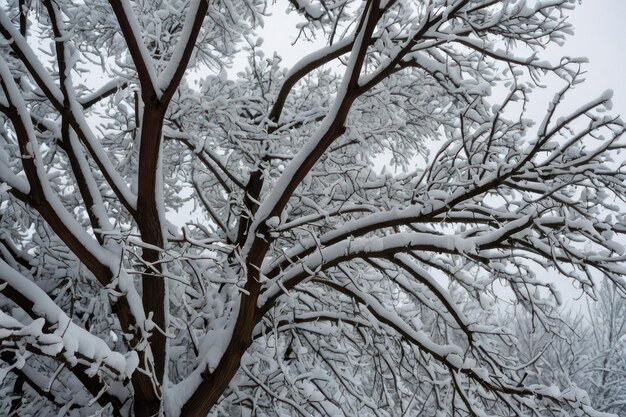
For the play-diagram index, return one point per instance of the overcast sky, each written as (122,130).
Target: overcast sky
(600,36)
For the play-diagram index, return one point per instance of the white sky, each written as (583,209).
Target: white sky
(600,36)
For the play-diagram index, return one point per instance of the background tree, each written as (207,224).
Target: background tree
(609,343)
(587,349)
(303,282)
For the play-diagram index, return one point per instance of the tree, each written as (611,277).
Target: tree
(303,282)
(608,379)
(588,350)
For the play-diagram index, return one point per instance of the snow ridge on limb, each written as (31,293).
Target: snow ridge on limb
(72,341)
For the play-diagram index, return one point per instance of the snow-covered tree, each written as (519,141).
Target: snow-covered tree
(587,350)
(607,351)
(302,282)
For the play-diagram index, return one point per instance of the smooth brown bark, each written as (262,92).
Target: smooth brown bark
(150,227)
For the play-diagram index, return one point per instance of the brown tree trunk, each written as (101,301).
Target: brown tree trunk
(148,403)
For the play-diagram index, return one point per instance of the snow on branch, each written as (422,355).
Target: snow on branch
(67,338)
